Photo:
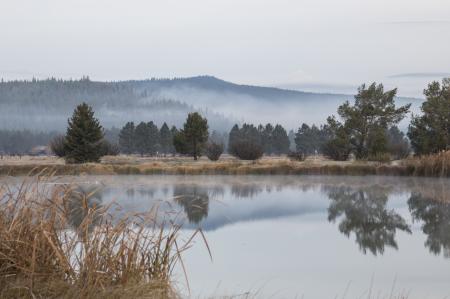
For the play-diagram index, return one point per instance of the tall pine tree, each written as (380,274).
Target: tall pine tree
(84,136)
(165,139)
(126,138)
(142,138)
(192,139)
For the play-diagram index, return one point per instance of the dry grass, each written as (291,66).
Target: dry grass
(43,254)
(437,165)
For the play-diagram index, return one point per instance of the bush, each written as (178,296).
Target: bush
(57,146)
(214,150)
(337,149)
(247,150)
(296,156)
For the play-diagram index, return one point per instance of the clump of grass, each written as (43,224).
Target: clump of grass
(437,165)
(45,253)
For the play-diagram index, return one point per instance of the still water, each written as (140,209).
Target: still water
(300,236)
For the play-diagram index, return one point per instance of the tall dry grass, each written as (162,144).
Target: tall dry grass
(436,165)
(45,253)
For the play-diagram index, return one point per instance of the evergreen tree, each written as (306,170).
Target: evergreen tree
(337,145)
(233,137)
(165,139)
(84,135)
(267,138)
(430,132)
(246,142)
(153,135)
(309,140)
(173,132)
(142,138)
(373,110)
(192,138)
(280,140)
(126,138)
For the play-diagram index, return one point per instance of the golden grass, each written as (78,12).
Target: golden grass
(436,165)
(433,165)
(43,254)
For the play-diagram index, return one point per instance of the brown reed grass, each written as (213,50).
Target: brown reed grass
(435,165)
(45,253)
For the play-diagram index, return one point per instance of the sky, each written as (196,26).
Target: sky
(314,45)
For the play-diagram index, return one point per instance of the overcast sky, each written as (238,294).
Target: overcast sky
(324,45)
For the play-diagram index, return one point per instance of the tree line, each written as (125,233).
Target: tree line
(366,128)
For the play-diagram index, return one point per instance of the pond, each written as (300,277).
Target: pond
(303,236)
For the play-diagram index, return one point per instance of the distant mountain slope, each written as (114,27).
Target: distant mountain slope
(213,84)
(46,104)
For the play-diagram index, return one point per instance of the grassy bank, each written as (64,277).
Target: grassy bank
(434,165)
(54,244)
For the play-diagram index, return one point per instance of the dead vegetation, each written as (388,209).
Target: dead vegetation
(43,254)
(433,165)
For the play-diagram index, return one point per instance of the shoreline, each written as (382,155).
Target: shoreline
(429,166)
(221,168)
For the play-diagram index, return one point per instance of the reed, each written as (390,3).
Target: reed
(435,165)
(45,253)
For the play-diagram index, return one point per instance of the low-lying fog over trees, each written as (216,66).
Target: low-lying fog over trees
(44,105)
(136,117)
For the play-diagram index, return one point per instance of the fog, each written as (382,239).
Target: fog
(264,42)
(47,105)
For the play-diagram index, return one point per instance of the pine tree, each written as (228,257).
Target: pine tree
(430,132)
(267,138)
(165,139)
(84,136)
(126,138)
(280,140)
(153,135)
(192,138)
(173,132)
(142,138)
(373,109)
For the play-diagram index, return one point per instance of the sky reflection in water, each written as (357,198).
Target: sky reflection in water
(311,236)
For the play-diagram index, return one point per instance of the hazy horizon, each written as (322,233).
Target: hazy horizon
(321,46)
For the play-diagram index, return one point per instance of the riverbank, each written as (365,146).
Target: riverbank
(435,166)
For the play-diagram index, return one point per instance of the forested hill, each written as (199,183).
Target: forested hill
(46,104)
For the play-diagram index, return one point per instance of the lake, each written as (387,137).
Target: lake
(302,236)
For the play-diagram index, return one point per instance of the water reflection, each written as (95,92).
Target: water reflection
(82,200)
(365,214)
(194,200)
(373,210)
(435,218)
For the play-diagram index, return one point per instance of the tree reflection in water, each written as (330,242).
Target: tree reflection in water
(81,201)
(364,213)
(194,200)
(435,215)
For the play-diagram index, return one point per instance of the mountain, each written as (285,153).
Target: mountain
(46,104)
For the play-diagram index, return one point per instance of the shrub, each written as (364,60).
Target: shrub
(247,150)
(214,150)
(296,156)
(337,149)
(57,146)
